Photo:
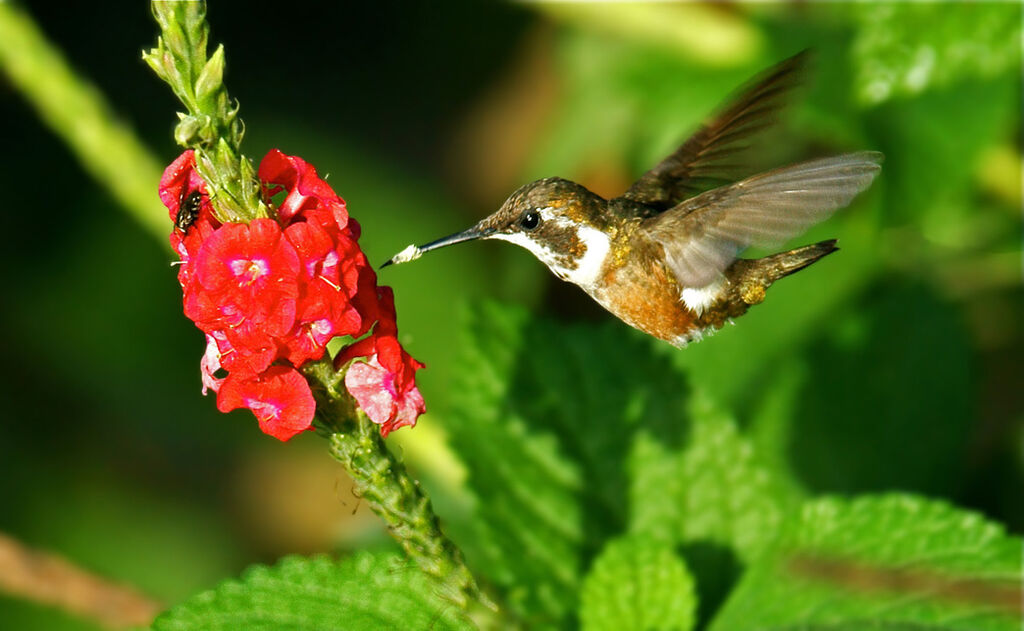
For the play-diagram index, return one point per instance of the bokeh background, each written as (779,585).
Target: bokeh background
(902,353)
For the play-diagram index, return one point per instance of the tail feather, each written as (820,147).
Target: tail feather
(783,264)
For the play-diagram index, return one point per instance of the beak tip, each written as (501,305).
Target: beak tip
(386,263)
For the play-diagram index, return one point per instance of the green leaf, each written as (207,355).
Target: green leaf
(637,584)
(644,98)
(717,488)
(529,513)
(906,48)
(849,415)
(367,591)
(885,553)
(929,169)
(862,625)
(547,415)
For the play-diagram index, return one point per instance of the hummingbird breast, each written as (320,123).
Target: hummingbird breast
(645,295)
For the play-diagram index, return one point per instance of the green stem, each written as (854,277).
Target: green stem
(211,126)
(213,129)
(79,115)
(382,480)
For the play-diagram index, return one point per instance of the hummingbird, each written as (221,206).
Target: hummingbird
(663,257)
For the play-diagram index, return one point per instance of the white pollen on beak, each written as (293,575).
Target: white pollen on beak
(410,253)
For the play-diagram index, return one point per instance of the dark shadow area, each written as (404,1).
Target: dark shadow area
(888,402)
(716,569)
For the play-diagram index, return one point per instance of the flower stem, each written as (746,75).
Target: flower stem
(211,126)
(82,118)
(382,480)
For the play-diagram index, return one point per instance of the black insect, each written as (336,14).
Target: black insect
(188,209)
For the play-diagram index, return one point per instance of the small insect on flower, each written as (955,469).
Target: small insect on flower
(271,293)
(188,209)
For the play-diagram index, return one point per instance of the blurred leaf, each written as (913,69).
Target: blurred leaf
(904,48)
(885,400)
(862,625)
(160,544)
(934,145)
(22,614)
(691,31)
(901,532)
(367,591)
(547,416)
(716,488)
(637,584)
(627,100)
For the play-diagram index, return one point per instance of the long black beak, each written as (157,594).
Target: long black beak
(413,252)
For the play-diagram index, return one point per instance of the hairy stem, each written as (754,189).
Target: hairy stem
(212,128)
(382,480)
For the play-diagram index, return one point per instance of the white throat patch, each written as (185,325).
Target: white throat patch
(588,267)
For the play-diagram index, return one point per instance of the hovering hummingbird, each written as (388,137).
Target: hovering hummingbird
(663,256)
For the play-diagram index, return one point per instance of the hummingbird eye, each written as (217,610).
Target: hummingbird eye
(530,220)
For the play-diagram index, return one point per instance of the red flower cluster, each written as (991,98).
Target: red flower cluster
(270,294)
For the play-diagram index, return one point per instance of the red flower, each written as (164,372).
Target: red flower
(305,190)
(325,309)
(279,397)
(272,293)
(247,283)
(385,385)
(379,393)
(180,180)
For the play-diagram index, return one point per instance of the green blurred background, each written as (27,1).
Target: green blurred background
(902,353)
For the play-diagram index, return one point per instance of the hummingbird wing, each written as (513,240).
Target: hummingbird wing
(704,234)
(703,161)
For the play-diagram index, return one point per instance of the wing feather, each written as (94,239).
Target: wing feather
(704,234)
(700,159)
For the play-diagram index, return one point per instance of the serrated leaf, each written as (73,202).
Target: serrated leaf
(907,48)
(548,413)
(529,515)
(928,543)
(367,591)
(637,584)
(714,489)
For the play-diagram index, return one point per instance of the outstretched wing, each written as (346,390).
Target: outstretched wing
(703,161)
(703,235)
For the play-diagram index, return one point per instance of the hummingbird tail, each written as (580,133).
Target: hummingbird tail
(786,263)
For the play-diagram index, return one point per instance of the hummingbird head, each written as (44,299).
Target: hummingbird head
(558,221)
